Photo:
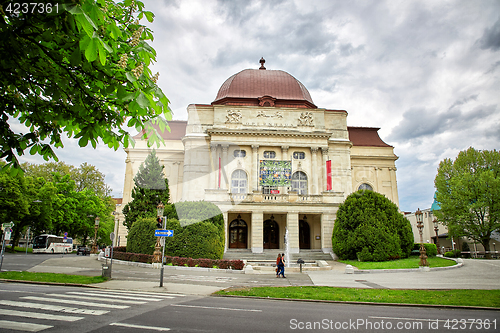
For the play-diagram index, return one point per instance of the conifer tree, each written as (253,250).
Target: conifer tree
(150,188)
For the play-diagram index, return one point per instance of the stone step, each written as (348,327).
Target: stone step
(306,255)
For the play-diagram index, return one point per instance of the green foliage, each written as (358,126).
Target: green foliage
(150,188)
(82,69)
(468,191)
(430,249)
(453,254)
(195,240)
(197,211)
(370,227)
(141,237)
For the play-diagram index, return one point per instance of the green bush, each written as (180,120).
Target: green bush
(465,248)
(193,237)
(369,227)
(430,249)
(453,254)
(141,236)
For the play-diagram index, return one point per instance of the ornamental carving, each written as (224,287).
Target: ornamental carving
(233,117)
(306,119)
(262,114)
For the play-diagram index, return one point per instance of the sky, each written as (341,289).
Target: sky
(427,73)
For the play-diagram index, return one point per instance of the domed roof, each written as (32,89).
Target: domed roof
(261,87)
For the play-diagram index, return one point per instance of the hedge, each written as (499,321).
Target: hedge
(430,249)
(179,261)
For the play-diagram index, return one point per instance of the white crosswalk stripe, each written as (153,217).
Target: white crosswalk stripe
(93,298)
(75,306)
(99,293)
(37,315)
(19,326)
(68,301)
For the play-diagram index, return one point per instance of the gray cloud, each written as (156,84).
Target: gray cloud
(491,37)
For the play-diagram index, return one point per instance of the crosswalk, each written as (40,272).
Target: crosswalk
(37,313)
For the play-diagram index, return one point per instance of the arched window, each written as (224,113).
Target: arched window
(239,182)
(299,182)
(365,186)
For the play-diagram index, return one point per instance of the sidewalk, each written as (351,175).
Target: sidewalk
(475,274)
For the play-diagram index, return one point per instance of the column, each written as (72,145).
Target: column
(284,153)
(394,186)
(215,166)
(327,222)
(226,231)
(255,166)
(324,151)
(224,176)
(257,232)
(314,171)
(292,224)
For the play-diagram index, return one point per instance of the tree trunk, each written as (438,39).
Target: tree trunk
(486,245)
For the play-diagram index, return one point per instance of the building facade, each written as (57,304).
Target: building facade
(271,160)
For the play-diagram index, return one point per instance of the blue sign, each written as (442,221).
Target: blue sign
(164,233)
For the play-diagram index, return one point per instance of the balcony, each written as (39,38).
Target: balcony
(219,195)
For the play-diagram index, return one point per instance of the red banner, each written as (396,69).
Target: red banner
(329,175)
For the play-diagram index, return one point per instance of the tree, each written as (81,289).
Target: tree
(14,203)
(141,237)
(468,190)
(79,68)
(150,188)
(369,227)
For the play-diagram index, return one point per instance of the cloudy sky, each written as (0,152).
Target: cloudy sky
(426,72)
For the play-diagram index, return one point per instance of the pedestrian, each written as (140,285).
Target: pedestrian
(282,266)
(278,260)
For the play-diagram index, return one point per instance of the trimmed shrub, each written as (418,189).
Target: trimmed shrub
(141,237)
(453,254)
(134,257)
(369,227)
(430,249)
(120,249)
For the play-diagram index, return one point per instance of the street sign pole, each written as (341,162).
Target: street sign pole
(162,253)
(3,248)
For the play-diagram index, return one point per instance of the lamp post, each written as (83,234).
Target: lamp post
(157,254)
(437,236)
(420,226)
(96,225)
(495,249)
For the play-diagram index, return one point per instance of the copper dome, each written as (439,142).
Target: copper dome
(261,87)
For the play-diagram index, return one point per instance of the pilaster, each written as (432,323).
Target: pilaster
(292,224)
(257,232)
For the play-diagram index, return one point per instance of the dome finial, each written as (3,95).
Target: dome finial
(262,61)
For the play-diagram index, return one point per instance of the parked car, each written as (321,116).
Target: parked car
(83,250)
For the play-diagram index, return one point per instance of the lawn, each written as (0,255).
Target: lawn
(411,262)
(461,297)
(51,277)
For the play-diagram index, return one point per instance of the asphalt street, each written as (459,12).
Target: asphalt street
(48,308)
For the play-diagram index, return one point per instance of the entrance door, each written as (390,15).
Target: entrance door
(304,235)
(238,232)
(271,234)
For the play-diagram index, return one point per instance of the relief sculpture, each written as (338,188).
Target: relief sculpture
(306,119)
(233,117)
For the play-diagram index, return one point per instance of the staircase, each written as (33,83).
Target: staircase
(246,254)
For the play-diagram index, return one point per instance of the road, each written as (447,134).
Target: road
(38,308)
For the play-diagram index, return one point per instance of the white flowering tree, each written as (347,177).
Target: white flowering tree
(81,69)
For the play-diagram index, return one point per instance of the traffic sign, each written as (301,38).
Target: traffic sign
(164,233)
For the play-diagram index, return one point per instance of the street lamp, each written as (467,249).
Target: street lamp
(437,236)
(420,226)
(94,247)
(157,254)
(494,247)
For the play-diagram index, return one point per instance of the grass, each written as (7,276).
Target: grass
(18,249)
(461,297)
(51,277)
(411,262)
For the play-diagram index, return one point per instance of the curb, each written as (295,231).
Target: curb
(435,306)
(401,270)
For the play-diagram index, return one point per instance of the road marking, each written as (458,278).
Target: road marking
(97,293)
(14,325)
(407,319)
(68,301)
(213,307)
(49,307)
(38,315)
(141,327)
(139,293)
(94,298)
